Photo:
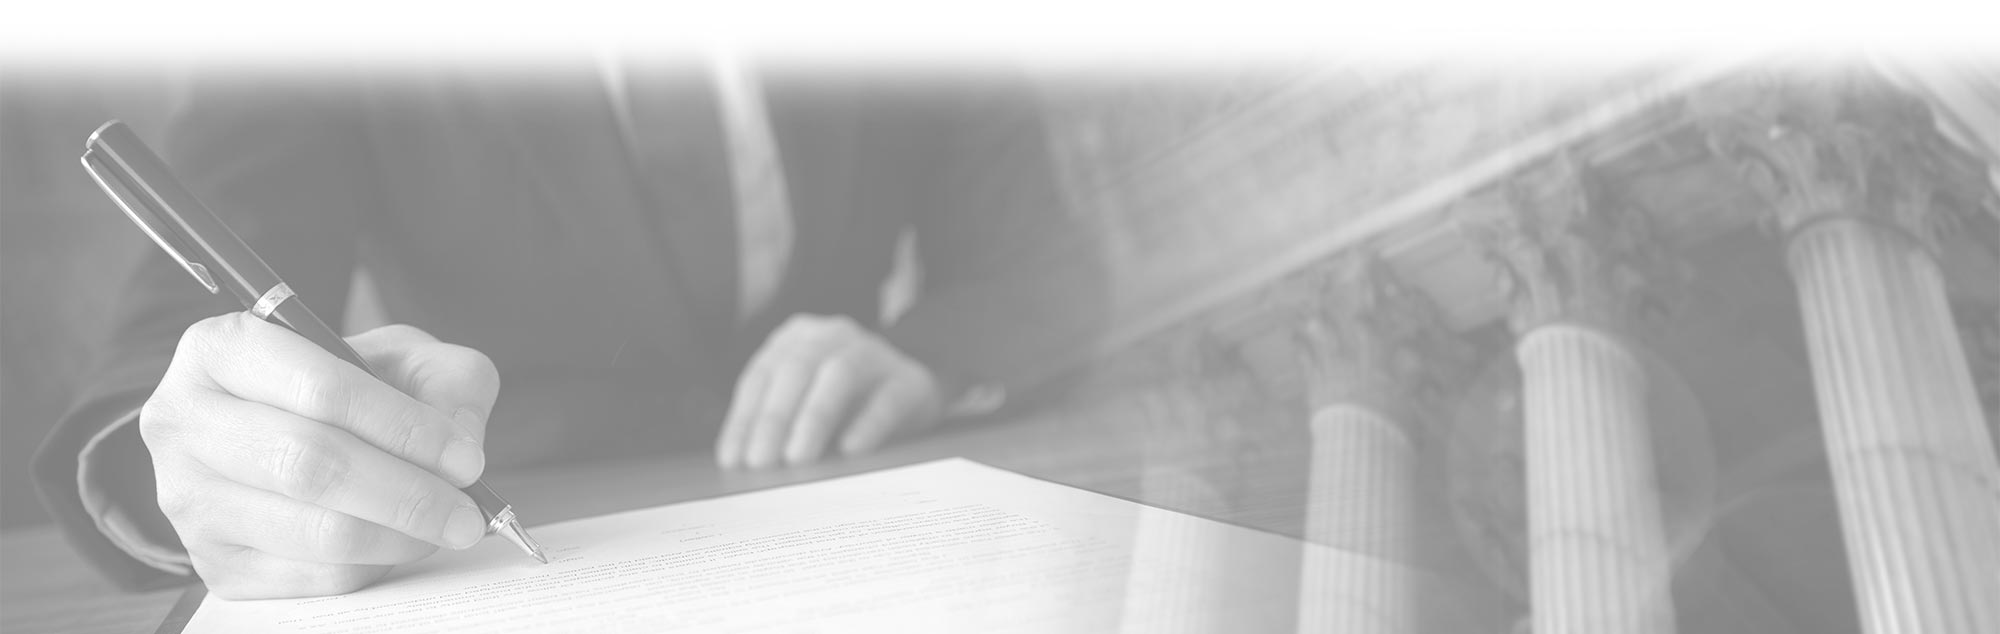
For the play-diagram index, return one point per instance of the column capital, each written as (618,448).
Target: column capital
(1212,369)
(1207,396)
(1563,255)
(1840,144)
(1366,337)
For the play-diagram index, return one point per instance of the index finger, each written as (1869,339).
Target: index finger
(265,363)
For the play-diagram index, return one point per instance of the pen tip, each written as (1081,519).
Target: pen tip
(511,529)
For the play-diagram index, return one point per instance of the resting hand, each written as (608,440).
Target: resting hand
(817,377)
(288,472)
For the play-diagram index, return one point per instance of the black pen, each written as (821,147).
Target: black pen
(135,178)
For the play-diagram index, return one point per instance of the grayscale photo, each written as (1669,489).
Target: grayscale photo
(688,334)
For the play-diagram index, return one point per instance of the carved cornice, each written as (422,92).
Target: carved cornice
(1841,145)
(1365,337)
(1563,256)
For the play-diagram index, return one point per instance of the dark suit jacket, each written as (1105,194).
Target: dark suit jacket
(507,211)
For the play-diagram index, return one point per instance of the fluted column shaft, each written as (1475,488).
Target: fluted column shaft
(1182,575)
(1598,556)
(1912,462)
(1176,584)
(1377,360)
(1584,274)
(1362,489)
(1857,175)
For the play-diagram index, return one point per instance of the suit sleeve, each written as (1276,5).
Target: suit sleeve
(1013,286)
(283,164)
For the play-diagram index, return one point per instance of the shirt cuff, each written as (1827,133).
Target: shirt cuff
(106,459)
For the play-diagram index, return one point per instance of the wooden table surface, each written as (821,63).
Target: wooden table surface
(1106,447)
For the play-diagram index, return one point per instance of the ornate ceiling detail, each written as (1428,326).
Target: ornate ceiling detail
(1365,337)
(1562,255)
(1841,145)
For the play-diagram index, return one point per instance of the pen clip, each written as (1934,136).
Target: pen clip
(107,170)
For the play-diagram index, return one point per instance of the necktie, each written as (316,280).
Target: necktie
(762,218)
(763,208)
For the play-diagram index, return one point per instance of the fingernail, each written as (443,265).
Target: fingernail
(463,461)
(464,528)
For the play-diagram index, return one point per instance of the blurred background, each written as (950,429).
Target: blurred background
(61,241)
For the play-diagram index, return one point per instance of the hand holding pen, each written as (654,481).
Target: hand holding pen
(292,462)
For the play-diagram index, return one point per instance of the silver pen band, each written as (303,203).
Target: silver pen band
(270,300)
(500,520)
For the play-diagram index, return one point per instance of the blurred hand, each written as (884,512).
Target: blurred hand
(288,472)
(818,377)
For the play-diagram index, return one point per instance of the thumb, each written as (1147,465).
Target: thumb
(459,381)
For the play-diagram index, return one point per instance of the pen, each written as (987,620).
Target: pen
(135,178)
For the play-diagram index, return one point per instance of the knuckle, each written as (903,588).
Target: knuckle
(329,534)
(842,368)
(157,410)
(415,509)
(403,439)
(307,468)
(194,339)
(322,528)
(218,327)
(200,341)
(178,504)
(821,411)
(411,435)
(421,367)
(318,394)
(159,419)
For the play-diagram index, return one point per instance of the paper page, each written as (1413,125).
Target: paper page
(951,545)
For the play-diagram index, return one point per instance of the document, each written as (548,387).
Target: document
(950,545)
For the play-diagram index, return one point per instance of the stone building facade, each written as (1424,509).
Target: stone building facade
(1701,345)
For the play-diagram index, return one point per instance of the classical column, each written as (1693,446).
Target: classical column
(1376,357)
(1577,274)
(1857,179)
(1186,577)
